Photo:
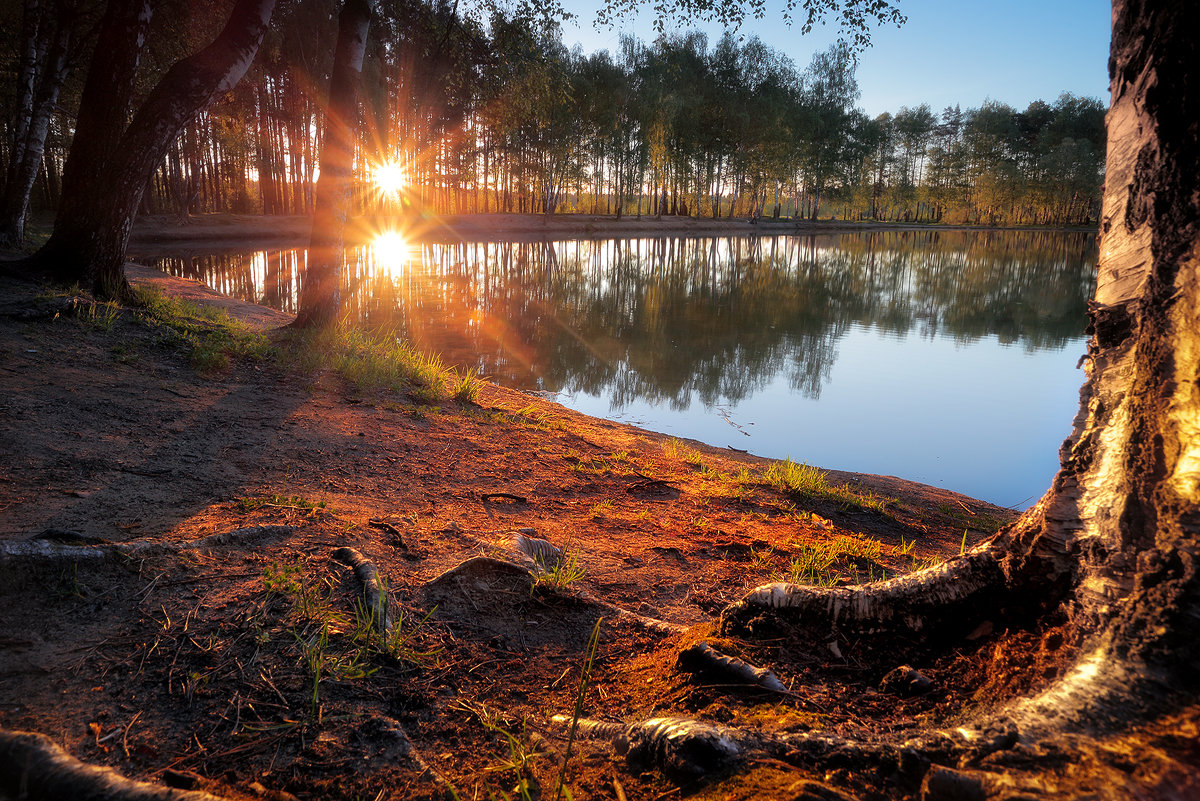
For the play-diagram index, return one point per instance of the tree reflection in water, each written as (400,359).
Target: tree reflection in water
(671,320)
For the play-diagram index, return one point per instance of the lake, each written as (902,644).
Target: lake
(942,357)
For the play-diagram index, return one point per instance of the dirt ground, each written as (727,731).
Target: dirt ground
(236,664)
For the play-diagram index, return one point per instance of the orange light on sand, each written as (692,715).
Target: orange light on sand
(390,178)
(391,250)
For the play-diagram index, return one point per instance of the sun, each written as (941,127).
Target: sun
(390,178)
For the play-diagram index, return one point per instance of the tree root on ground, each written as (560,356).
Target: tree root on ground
(703,660)
(33,767)
(50,548)
(961,588)
(374,594)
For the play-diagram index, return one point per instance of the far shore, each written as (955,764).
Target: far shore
(152,230)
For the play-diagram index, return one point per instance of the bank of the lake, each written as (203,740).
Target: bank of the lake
(217,229)
(117,614)
(943,355)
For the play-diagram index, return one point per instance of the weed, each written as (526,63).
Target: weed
(584,679)
(823,563)
(521,753)
(397,643)
(601,510)
(676,449)
(465,388)
(925,563)
(563,573)
(285,580)
(905,548)
(124,355)
(99,316)
(371,362)
(962,546)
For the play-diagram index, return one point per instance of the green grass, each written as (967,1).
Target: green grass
(370,362)
(209,336)
(677,449)
(332,643)
(296,502)
(823,563)
(806,481)
(565,571)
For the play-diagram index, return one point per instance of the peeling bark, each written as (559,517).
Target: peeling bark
(961,590)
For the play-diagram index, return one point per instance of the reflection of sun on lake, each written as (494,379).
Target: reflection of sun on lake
(391,251)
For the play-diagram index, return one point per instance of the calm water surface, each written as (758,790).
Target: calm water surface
(944,357)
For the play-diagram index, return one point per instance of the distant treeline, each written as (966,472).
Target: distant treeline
(492,113)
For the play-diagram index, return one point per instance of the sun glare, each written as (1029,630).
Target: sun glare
(389,178)
(391,250)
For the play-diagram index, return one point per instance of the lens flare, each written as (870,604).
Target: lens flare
(390,178)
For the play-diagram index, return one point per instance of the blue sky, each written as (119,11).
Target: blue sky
(950,51)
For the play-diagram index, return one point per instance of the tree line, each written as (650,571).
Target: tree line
(490,112)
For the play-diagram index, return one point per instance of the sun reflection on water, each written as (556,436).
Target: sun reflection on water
(392,252)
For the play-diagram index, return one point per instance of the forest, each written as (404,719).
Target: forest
(490,112)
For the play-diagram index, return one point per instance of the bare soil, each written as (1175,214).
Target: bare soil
(181,666)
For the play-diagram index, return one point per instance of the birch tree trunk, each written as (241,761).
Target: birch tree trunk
(110,163)
(1115,542)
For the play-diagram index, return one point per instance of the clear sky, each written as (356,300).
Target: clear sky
(950,51)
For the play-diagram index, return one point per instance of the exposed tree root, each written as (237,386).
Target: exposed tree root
(685,751)
(44,548)
(704,660)
(961,589)
(375,597)
(33,767)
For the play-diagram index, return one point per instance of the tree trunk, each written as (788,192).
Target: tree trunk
(320,297)
(47,71)
(110,164)
(1115,542)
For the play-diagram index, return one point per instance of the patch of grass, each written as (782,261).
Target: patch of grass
(806,481)
(535,418)
(521,751)
(296,502)
(565,571)
(677,449)
(370,362)
(209,336)
(99,316)
(823,563)
(600,510)
(465,387)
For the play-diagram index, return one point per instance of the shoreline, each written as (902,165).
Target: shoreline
(154,230)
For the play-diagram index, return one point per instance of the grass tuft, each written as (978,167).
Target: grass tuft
(209,336)
(806,481)
(370,362)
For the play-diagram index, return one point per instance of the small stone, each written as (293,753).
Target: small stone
(906,682)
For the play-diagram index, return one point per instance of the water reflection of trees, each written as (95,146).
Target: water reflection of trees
(667,320)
